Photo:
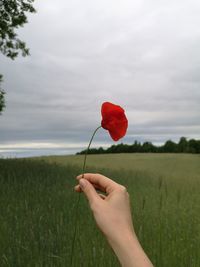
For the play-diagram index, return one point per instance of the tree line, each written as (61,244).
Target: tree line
(183,146)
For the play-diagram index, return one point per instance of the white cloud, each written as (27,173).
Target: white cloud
(143,55)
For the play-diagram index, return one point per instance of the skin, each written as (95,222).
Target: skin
(112,214)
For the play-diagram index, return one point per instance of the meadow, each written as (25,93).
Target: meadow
(38,209)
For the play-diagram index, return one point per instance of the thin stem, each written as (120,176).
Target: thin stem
(78,200)
(84,163)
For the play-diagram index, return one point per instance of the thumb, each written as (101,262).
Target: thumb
(88,190)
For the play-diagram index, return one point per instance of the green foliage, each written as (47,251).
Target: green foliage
(13,16)
(184,146)
(2,101)
(170,146)
(37,205)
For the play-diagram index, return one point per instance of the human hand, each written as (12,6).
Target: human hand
(111,211)
(112,214)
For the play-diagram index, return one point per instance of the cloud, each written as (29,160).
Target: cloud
(143,55)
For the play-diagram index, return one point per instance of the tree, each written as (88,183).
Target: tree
(12,16)
(170,147)
(193,146)
(147,147)
(182,145)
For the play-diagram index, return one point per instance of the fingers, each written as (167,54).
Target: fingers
(89,191)
(102,196)
(97,187)
(107,185)
(77,188)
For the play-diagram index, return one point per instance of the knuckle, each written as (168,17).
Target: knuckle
(123,189)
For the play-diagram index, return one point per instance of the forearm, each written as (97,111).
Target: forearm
(129,251)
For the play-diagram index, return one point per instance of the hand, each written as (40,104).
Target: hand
(111,211)
(113,216)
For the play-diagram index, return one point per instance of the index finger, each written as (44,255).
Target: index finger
(104,182)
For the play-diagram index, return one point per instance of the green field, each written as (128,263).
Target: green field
(38,209)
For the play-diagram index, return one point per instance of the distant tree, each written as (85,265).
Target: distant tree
(182,145)
(147,147)
(101,150)
(13,16)
(111,149)
(170,147)
(135,147)
(198,146)
(193,146)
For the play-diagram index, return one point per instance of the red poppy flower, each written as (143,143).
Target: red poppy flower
(114,120)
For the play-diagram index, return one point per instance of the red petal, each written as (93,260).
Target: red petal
(114,120)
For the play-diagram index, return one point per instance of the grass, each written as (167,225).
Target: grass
(37,205)
(173,165)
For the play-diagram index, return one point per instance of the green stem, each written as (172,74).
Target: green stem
(84,163)
(78,200)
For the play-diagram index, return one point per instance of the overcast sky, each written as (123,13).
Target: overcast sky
(142,55)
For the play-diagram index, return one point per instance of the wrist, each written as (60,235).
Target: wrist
(122,244)
(122,238)
(129,251)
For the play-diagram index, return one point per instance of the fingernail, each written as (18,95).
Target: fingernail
(82,183)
